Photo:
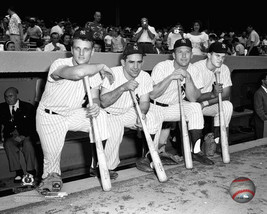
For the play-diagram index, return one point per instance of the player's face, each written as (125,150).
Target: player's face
(82,51)
(217,59)
(182,56)
(132,65)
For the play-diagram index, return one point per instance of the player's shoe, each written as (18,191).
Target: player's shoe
(94,172)
(52,183)
(143,164)
(200,157)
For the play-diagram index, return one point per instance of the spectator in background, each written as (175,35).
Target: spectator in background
(264,44)
(107,39)
(212,38)
(239,49)
(4,28)
(15,28)
(34,33)
(97,47)
(97,29)
(253,42)
(45,39)
(199,39)
(18,120)
(243,39)
(145,36)
(9,46)
(46,34)
(54,45)
(159,47)
(66,41)
(177,32)
(42,46)
(260,106)
(58,28)
(117,42)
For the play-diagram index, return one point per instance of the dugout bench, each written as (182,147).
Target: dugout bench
(26,70)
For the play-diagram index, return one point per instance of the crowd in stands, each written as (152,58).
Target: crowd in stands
(37,34)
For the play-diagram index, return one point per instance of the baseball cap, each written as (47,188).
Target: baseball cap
(132,48)
(182,42)
(83,34)
(218,47)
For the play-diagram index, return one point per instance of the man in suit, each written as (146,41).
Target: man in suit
(260,106)
(17,122)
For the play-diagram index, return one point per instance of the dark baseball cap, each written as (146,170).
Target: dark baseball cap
(132,48)
(182,42)
(218,47)
(83,34)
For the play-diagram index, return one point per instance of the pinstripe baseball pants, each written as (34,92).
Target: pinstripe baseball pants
(213,111)
(192,110)
(117,123)
(52,129)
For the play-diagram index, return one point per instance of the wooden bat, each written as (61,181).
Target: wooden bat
(104,173)
(224,138)
(185,136)
(154,154)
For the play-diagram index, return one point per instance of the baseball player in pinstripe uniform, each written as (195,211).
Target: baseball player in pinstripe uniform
(165,95)
(118,103)
(60,108)
(209,92)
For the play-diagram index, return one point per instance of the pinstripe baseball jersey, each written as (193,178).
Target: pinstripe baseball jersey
(125,102)
(164,69)
(64,95)
(208,76)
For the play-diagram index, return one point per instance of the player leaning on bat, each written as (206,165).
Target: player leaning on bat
(117,102)
(165,96)
(209,92)
(60,108)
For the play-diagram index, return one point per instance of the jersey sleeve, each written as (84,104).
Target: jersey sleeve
(145,84)
(54,66)
(226,77)
(157,74)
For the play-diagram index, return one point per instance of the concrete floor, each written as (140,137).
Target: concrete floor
(204,189)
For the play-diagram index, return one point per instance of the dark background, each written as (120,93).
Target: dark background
(215,15)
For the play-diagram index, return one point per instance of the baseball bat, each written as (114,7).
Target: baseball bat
(185,136)
(154,154)
(223,132)
(104,173)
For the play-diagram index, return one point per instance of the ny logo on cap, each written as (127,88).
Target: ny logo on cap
(183,41)
(135,47)
(223,45)
(82,32)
